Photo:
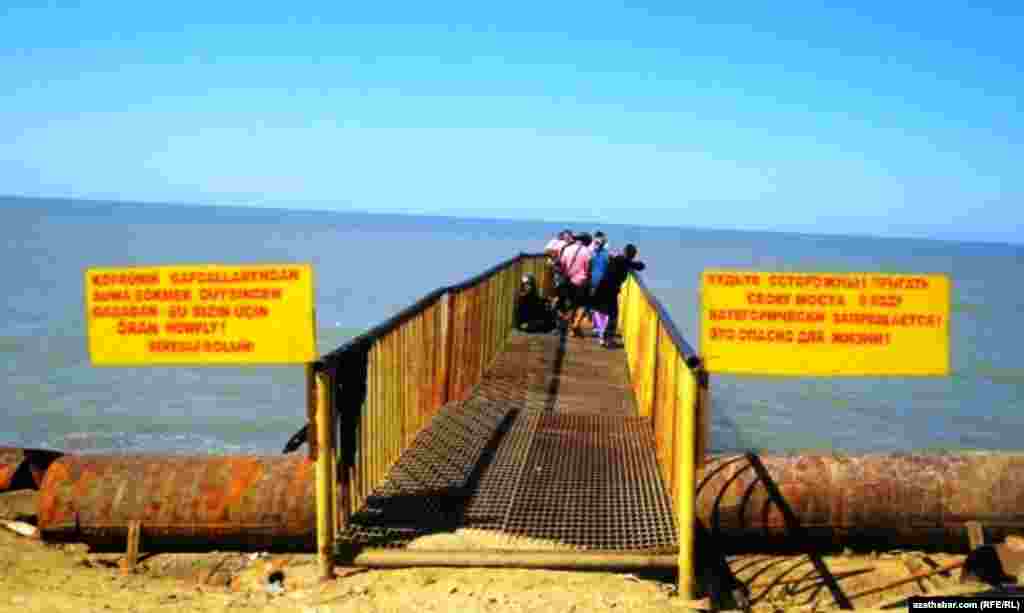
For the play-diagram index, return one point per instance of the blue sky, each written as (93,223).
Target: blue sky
(880,118)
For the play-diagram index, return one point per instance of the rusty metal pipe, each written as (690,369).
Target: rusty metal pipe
(184,503)
(877,501)
(870,501)
(24,468)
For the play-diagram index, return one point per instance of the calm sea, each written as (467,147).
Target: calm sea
(370,266)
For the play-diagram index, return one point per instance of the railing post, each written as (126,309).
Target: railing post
(325,467)
(703,415)
(332,468)
(444,347)
(687,475)
(341,486)
(311,441)
(651,392)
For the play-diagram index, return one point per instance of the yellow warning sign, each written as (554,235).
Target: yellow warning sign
(835,324)
(201,314)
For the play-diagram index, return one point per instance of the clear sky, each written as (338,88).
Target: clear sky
(882,118)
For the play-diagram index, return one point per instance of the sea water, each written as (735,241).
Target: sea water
(368,267)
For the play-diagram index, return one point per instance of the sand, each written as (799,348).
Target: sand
(36,576)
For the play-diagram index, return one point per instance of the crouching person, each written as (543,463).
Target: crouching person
(532,313)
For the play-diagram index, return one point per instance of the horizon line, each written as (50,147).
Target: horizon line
(563,222)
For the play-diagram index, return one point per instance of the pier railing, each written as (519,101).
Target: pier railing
(671,387)
(384,386)
(390,381)
(667,374)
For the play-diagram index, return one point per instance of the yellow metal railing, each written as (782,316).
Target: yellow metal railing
(389,382)
(383,387)
(671,388)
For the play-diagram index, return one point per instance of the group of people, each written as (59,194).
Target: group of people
(587,279)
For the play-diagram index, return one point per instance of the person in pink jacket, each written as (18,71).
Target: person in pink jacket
(575,265)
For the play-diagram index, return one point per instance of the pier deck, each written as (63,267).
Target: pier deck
(547,452)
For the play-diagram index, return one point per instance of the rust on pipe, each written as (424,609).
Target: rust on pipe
(184,503)
(232,502)
(878,501)
(22,469)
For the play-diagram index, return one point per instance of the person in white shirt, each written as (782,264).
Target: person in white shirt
(556,244)
(554,250)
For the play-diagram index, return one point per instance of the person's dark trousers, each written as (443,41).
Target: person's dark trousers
(565,299)
(613,318)
(538,325)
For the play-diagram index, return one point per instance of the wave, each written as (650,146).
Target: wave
(1004,375)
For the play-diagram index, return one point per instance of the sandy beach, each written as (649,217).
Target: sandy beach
(35,576)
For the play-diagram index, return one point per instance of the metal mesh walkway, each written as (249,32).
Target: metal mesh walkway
(546,452)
